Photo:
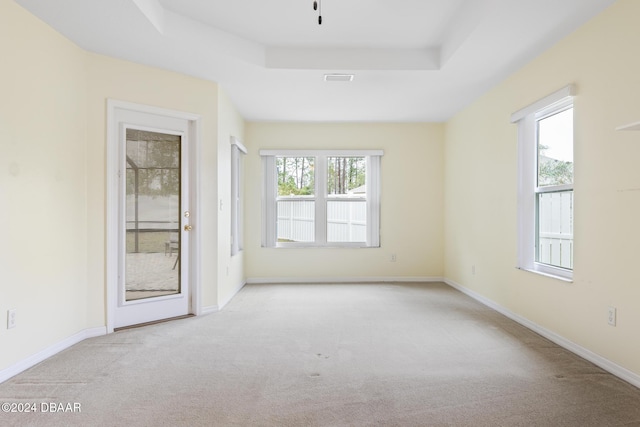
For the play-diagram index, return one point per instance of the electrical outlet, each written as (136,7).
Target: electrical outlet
(11,319)
(611,316)
(393,258)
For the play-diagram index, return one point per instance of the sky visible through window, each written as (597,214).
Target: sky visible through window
(556,133)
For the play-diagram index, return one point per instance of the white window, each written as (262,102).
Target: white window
(237,153)
(545,188)
(321,198)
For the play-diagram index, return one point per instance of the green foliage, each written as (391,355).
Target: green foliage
(555,172)
(552,171)
(345,174)
(153,163)
(290,188)
(295,176)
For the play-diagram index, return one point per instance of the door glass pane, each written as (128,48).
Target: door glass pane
(152,262)
(555,229)
(555,149)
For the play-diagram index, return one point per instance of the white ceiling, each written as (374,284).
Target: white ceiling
(413,60)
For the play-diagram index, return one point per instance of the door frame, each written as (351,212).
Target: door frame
(112,202)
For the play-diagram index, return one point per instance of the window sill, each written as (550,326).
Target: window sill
(542,273)
(327,246)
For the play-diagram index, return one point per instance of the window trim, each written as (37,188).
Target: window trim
(238,150)
(270,197)
(528,189)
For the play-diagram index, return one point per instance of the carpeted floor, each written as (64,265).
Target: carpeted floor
(326,355)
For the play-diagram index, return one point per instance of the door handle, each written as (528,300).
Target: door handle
(188,227)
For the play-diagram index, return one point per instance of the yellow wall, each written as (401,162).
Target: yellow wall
(230,269)
(43,261)
(126,81)
(52,177)
(412,198)
(480,187)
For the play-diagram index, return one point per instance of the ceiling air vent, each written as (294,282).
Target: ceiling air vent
(338,77)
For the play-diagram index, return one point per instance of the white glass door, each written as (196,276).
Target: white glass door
(154,219)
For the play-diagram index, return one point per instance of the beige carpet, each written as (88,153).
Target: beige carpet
(327,355)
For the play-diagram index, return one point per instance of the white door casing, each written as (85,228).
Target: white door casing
(120,116)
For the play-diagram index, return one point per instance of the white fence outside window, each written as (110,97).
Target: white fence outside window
(555,229)
(346,221)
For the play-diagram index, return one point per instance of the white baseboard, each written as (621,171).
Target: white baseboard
(215,308)
(208,310)
(315,280)
(596,359)
(33,360)
(226,301)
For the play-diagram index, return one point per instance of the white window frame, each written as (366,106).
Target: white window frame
(270,197)
(528,189)
(238,150)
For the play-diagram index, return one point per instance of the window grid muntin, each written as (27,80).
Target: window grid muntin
(270,197)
